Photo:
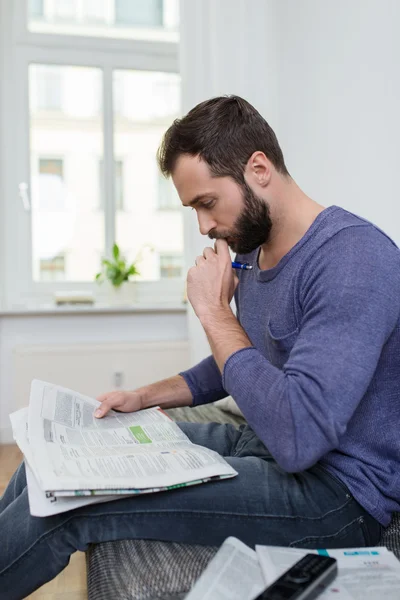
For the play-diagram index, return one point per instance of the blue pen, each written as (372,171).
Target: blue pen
(239,265)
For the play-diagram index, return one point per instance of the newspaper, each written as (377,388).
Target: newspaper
(364,573)
(233,574)
(71,453)
(41,503)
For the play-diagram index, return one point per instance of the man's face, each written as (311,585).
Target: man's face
(224,209)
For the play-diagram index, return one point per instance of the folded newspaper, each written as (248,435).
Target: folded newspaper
(73,459)
(239,573)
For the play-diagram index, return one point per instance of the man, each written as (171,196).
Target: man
(312,358)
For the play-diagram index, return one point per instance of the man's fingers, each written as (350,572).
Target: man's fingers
(207,252)
(108,401)
(199,260)
(103,409)
(221,247)
(102,397)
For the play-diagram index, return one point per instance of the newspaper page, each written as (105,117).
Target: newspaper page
(364,573)
(124,452)
(42,504)
(233,574)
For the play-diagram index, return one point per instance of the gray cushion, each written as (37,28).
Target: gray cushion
(144,569)
(391,536)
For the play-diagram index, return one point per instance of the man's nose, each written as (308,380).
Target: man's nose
(205,223)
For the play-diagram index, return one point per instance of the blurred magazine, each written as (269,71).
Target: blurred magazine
(237,572)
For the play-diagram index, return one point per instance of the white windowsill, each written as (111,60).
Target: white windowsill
(95,309)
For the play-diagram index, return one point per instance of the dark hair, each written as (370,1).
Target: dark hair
(224,131)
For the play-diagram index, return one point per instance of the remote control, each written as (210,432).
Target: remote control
(306,580)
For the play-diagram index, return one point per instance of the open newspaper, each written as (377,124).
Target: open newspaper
(238,573)
(70,453)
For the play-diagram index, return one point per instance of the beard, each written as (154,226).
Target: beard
(252,228)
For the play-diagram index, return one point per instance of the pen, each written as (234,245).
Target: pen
(239,265)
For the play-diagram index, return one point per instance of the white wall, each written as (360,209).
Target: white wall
(56,330)
(339,98)
(227,47)
(325,75)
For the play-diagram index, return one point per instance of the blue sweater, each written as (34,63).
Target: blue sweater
(321,382)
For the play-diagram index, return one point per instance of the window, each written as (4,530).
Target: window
(46,88)
(168,198)
(134,19)
(91,115)
(119,184)
(62,199)
(36,9)
(95,11)
(49,182)
(64,10)
(137,12)
(171,265)
(51,166)
(148,105)
(53,268)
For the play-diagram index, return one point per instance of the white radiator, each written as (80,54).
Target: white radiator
(96,368)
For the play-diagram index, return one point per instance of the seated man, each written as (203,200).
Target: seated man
(312,359)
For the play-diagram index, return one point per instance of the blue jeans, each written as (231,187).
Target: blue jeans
(262,505)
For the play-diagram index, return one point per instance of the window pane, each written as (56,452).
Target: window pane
(148,103)
(36,8)
(64,10)
(49,89)
(66,148)
(167,196)
(137,12)
(171,265)
(134,19)
(119,185)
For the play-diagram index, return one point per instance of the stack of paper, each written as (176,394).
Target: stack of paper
(73,459)
(239,573)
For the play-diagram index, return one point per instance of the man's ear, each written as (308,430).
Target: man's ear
(258,170)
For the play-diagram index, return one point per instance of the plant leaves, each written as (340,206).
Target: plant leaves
(133,270)
(115,252)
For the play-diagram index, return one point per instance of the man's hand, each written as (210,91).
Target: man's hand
(120,400)
(212,283)
(167,393)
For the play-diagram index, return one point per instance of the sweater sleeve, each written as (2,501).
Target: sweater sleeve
(205,382)
(350,294)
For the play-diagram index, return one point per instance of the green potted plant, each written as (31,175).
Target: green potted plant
(116,271)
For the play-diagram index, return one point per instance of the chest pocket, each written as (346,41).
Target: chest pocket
(279,345)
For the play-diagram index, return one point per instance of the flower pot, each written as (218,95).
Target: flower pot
(124,295)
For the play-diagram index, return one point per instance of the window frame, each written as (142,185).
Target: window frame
(27,48)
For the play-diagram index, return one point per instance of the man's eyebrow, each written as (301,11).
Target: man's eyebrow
(199,198)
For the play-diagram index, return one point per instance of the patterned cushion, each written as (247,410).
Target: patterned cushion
(144,569)
(391,536)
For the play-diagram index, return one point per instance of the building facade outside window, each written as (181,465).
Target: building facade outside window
(95,116)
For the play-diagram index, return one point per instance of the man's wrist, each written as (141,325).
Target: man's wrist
(217,317)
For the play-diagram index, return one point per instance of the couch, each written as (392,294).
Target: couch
(151,570)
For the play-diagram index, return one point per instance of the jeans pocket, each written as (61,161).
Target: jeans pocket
(352,534)
(372,529)
(333,478)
